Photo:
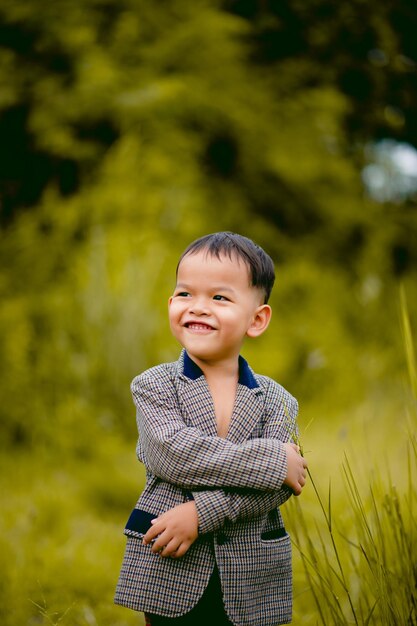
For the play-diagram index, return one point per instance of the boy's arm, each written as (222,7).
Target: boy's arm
(173,532)
(215,507)
(182,455)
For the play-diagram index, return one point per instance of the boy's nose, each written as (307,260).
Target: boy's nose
(199,307)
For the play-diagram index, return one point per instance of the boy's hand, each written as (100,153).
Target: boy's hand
(296,468)
(175,530)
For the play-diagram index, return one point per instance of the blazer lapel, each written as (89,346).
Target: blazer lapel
(247,414)
(197,404)
(194,396)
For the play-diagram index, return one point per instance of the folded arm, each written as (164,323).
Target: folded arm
(215,507)
(183,456)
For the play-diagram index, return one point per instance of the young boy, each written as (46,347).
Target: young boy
(206,542)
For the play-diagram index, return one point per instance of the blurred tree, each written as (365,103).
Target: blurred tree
(365,49)
(129,129)
(327,78)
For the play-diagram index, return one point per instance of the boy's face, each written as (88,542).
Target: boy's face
(214,307)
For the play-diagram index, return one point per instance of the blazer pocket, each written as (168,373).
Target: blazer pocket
(274,534)
(138,523)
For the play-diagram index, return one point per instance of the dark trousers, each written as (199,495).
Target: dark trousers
(209,611)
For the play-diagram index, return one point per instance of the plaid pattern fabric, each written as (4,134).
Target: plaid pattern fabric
(208,610)
(237,485)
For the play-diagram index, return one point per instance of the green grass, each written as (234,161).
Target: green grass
(354,528)
(61,540)
(356,540)
(356,546)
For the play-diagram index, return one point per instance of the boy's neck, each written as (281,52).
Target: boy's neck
(228,368)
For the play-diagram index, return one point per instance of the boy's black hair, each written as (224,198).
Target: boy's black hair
(259,263)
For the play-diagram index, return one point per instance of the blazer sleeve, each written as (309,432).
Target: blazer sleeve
(183,456)
(214,508)
(218,506)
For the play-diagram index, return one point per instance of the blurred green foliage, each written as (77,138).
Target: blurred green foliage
(129,129)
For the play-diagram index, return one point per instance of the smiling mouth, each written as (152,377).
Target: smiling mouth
(198,326)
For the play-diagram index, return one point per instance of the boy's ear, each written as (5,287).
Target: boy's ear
(260,321)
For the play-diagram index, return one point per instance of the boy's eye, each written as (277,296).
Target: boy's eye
(182,294)
(219,297)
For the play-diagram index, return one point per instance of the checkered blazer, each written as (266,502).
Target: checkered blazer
(237,485)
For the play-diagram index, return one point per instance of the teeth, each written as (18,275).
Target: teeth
(199,326)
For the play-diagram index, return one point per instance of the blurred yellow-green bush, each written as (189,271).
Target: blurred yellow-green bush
(129,129)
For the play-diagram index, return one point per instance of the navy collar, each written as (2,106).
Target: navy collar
(246,377)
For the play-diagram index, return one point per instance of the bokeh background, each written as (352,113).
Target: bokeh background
(130,128)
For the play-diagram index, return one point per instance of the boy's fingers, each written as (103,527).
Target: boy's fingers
(160,542)
(154,531)
(180,551)
(170,548)
(301,484)
(151,534)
